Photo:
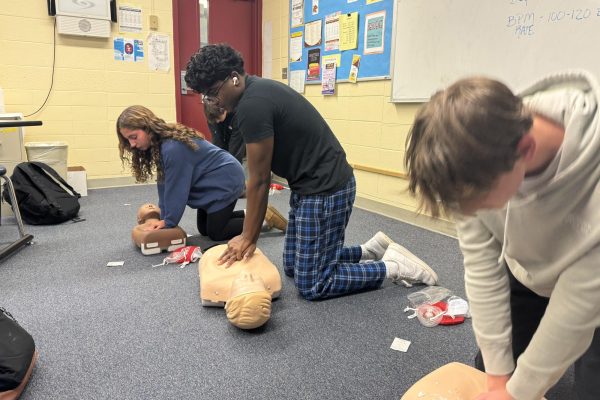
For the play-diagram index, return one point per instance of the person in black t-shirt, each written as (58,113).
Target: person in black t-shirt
(225,133)
(285,134)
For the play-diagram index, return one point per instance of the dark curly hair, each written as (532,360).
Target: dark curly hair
(212,63)
(143,162)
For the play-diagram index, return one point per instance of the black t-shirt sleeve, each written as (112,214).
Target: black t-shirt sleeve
(256,119)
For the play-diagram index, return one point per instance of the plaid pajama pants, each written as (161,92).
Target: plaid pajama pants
(314,252)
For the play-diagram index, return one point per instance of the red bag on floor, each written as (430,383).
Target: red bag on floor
(183,256)
(446,318)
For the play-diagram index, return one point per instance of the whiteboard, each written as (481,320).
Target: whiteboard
(514,41)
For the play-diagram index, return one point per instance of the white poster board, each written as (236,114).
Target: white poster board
(516,41)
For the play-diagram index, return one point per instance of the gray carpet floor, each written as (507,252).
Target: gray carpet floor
(137,332)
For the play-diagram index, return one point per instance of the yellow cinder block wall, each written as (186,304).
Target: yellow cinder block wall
(371,129)
(90,88)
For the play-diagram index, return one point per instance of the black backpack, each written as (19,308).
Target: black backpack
(17,349)
(44,197)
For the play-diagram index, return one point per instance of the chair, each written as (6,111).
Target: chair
(24,238)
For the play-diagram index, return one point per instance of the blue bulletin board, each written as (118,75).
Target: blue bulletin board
(374,58)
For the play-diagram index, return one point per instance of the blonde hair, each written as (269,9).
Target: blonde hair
(249,310)
(143,162)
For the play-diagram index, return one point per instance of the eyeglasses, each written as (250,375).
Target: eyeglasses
(212,96)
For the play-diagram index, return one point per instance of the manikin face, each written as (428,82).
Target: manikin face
(246,282)
(148,208)
(137,138)
(147,211)
(502,191)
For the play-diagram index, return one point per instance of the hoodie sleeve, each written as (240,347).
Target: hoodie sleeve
(178,170)
(488,292)
(565,332)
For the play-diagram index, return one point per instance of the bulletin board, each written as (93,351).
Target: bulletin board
(374,63)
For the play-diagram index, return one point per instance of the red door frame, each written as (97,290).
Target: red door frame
(176,56)
(256,16)
(257,38)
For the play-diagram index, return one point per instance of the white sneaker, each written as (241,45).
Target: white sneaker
(410,267)
(375,248)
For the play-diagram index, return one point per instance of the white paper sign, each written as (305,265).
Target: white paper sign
(297,17)
(400,345)
(297,80)
(130,19)
(158,52)
(296,46)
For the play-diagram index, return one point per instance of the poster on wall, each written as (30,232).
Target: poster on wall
(327,58)
(130,19)
(332,31)
(297,80)
(328,81)
(159,58)
(349,31)
(138,50)
(119,49)
(312,33)
(267,50)
(313,72)
(353,76)
(296,46)
(128,49)
(297,17)
(315,7)
(374,32)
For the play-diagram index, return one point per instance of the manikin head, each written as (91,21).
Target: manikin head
(249,305)
(147,211)
(217,71)
(469,147)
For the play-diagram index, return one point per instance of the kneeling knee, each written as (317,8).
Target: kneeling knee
(216,235)
(309,295)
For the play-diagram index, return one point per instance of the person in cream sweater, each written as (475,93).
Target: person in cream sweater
(521,173)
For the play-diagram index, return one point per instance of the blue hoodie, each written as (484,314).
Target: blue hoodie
(208,178)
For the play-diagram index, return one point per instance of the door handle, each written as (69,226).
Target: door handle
(184,88)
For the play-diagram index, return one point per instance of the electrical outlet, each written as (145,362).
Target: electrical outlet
(153,22)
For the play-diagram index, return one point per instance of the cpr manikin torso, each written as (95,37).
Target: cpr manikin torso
(216,280)
(155,241)
(453,381)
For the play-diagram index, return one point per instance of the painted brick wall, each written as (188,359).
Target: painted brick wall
(90,88)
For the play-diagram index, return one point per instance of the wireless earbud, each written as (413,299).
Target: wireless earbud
(235,80)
